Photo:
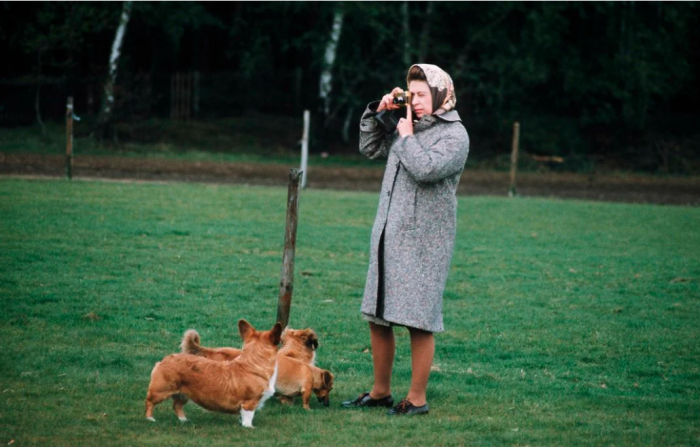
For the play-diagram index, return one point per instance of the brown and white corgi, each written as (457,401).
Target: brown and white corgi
(297,375)
(239,385)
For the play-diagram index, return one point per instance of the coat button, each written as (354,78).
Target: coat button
(388,193)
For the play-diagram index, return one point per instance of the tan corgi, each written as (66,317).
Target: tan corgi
(297,376)
(300,344)
(191,345)
(239,385)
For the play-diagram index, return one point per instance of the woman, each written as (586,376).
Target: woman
(414,231)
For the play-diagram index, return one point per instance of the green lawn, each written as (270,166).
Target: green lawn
(568,322)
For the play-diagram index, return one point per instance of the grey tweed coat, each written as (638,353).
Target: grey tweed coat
(417,218)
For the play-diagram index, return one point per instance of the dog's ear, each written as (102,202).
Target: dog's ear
(245,329)
(312,341)
(327,379)
(275,333)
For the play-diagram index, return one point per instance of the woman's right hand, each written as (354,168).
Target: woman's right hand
(387,102)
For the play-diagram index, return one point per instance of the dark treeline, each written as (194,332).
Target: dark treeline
(589,81)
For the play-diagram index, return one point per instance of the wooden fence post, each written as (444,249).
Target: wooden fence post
(514,159)
(290,240)
(305,148)
(69,138)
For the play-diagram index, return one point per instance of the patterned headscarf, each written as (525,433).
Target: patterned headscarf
(441,88)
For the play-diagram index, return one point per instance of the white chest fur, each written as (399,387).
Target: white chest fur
(270,388)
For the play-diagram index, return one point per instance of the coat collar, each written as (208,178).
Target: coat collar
(429,120)
(450,116)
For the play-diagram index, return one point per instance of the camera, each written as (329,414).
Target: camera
(402,99)
(389,119)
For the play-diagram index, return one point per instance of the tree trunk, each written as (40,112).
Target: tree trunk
(104,122)
(37,97)
(425,32)
(346,125)
(326,81)
(406,35)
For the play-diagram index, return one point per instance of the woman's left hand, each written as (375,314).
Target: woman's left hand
(405,126)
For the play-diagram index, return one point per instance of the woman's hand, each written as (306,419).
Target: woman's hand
(405,126)
(387,102)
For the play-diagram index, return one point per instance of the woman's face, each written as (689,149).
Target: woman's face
(421,99)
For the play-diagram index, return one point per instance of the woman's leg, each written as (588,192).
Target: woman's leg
(383,348)
(422,353)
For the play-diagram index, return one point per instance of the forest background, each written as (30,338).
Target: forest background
(599,84)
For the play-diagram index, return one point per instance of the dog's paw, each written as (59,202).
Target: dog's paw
(151,419)
(183,419)
(246,424)
(247,418)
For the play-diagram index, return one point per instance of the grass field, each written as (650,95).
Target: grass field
(568,322)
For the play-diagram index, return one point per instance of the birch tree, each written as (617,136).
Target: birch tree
(326,81)
(105,118)
(37,96)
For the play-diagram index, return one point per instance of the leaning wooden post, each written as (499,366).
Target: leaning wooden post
(290,241)
(514,159)
(69,138)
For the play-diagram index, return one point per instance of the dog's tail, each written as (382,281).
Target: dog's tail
(190,343)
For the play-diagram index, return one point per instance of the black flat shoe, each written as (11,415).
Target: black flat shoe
(364,400)
(406,407)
